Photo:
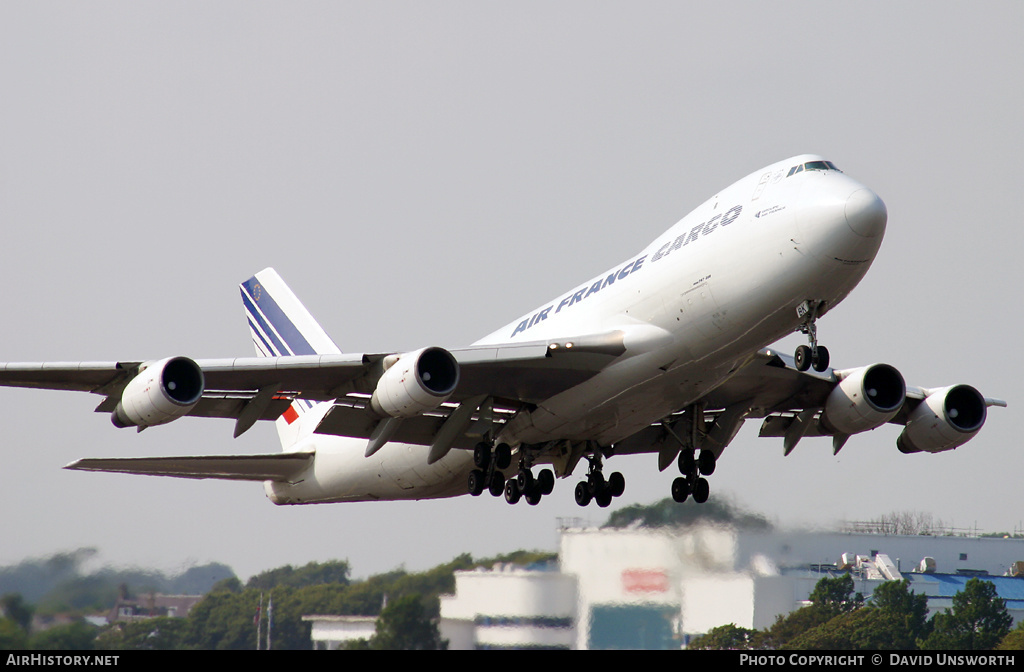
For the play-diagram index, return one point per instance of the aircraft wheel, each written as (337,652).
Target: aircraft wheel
(701,490)
(512,492)
(525,480)
(802,358)
(482,455)
(603,498)
(820,359)
(595,480)
(616,484)
(533,496)
(497,485)
(583,495)
(687,463)
(706,462)
(546,481)
(680,489)
(477,479)
(502,456)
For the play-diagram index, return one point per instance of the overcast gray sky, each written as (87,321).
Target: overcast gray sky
(422,173)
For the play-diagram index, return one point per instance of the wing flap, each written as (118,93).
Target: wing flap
(272,467)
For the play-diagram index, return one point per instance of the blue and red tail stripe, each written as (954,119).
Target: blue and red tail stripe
(274,334)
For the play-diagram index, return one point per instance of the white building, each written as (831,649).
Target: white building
(510,608)
(643,589)
(333,632)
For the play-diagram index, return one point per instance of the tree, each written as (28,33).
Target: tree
(724,638)
(1013,641)
(404,625)
(977,621)
(12,636)
(668,513)
(77,636)
(903,615)
(831,597)
(163,633)
(14,607)
(835,595)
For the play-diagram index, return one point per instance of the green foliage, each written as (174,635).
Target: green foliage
(56,584)
(405,625)
(725,638)
(12,636)
(77,636)
(1013,641)
(978,620)
(151,634)
(903,616)
(35,577)
(834,595)
(14,607)
(312,574)
(831,597)
(668,513)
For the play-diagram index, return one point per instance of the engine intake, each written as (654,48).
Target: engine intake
(947,418)
(415,383)
(162,391)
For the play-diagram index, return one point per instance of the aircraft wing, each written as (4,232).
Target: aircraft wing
(526,373)
(794,404)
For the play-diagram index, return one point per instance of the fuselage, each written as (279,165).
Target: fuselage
(728,279)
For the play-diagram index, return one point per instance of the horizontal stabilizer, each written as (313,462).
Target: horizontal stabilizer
(272,467)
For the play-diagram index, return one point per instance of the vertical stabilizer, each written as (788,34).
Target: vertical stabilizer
(281,326)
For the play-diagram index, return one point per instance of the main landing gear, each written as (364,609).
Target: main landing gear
(692,482)
(490,462)
(596,488)
(814,355)
(689,432)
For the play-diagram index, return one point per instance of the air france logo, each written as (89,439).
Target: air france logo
(631,268)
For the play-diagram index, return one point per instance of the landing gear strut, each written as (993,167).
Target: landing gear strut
(814,355)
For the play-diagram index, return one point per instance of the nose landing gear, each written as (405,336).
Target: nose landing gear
(813,355)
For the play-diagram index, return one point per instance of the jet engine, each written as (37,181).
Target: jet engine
(864,399)
(162,391)
(415,383)
(947,418)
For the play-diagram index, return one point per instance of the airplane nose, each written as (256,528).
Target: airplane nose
(866,213)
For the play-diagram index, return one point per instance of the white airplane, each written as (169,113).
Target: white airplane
(664,353)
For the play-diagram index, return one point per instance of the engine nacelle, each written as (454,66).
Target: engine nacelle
(864,399)
(415,383)
(947,418)
(163,391)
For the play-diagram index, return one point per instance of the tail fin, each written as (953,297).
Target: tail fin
(279,323)
(280,326)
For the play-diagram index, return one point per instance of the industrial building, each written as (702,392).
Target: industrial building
(656,589)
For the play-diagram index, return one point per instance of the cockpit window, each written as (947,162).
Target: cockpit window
(812,165)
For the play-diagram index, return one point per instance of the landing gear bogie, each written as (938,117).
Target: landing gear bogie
(596,488)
